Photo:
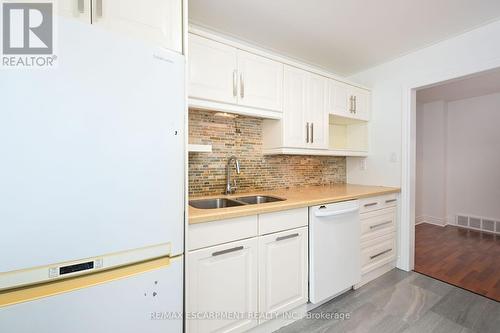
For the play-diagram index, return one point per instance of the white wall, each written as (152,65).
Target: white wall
(391,131)
(469,53)
(473,184)
(431,162)
(458,159)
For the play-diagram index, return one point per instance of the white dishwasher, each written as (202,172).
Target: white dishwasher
(334,249)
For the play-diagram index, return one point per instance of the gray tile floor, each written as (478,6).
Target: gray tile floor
(405,302)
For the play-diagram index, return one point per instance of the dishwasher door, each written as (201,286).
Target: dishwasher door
(334,249)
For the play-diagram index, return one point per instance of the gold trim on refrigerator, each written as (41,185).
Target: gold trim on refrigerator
(34,292)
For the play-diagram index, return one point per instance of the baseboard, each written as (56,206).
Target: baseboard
(431,220)
(376,273)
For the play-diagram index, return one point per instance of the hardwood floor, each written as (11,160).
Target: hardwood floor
(465,258)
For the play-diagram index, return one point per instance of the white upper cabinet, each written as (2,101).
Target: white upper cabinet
(260,82)
(76,9)
(316,113)
(235,80)
(361,99)
(305,118)
(348,101)
(283,271)
(305,111)
(339,99)
(158,22)
(212,70)
(295,127)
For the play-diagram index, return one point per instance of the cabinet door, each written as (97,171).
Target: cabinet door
(260,82)
(212,70)
(158,22)
(283,271)
(361,104)
(339,102)
(222,280)
(76,9)
(316,112)
(294,104)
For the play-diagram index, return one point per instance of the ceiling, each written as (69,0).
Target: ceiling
(477,85)
(343,36)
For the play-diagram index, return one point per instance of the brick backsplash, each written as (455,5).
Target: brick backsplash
(242,136)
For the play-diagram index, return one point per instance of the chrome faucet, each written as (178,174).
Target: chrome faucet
(230,189)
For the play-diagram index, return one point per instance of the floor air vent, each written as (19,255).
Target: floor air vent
(478,223)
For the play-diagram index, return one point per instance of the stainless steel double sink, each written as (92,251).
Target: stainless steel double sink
(233,202)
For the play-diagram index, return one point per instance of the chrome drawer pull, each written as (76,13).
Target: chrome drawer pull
(391,200)
(234,249)
(379,225)
(371,204)
(286,237)
(379,254)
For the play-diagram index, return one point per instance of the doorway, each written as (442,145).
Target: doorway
(457,183)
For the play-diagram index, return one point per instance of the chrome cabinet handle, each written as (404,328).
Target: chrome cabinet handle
(351,106)
(312,132)
(355,104)
(371,204)
(379,225)
(81,6)
(234,249)
(242,86)
(379,254)
(287,237)
(307,132)
(391,200)
(235,83)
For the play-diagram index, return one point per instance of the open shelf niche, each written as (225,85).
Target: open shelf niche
(346,134)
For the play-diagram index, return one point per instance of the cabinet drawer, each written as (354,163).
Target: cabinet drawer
(377,253)
(378,223)
(284,220)
(379,202)
(223,231)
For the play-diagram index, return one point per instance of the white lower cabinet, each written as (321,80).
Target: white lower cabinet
(222,281)
(378,217)
(283,271)
(263,274)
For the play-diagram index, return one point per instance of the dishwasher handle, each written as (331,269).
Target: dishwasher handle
(325,213)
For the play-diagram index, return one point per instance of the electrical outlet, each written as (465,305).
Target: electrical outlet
(394,158)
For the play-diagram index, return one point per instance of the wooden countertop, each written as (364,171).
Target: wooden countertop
(295,198)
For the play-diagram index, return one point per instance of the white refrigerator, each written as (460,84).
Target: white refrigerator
(92,179)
